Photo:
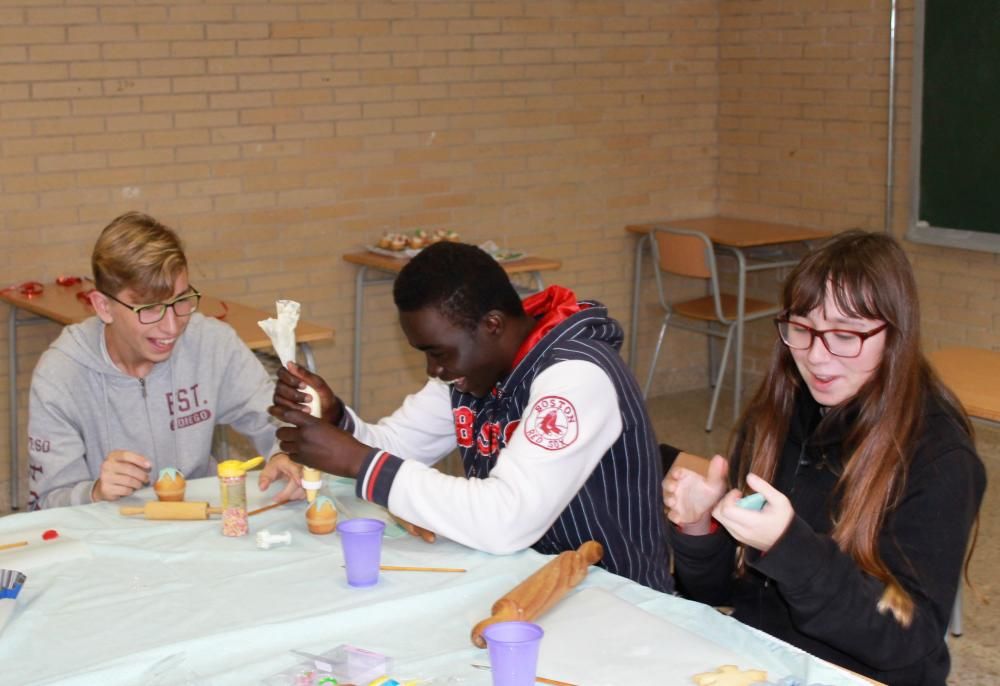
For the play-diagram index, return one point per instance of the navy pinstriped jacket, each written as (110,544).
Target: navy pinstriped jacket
(620,503)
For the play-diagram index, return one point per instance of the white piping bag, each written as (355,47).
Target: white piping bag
(281,331)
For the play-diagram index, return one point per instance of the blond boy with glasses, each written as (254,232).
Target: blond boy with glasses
(142,385)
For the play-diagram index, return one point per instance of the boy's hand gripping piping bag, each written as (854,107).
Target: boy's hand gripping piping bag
(281,331)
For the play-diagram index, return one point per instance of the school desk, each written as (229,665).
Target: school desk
(736,237)
(61,304)
(971,374)
(386,268)
(121,600)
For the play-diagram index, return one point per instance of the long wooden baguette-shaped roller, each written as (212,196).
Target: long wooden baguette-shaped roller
(543,589)
(156,509)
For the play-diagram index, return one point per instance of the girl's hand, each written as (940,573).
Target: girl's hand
(689,497)
(761,529)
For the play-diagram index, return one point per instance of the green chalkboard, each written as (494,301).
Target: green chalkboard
(959,119)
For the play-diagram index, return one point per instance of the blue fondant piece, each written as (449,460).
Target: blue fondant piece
(754,501)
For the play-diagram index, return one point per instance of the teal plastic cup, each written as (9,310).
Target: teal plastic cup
(361,540)
(513,648)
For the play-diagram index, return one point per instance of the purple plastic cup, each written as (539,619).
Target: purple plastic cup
(362,542)
(513,650)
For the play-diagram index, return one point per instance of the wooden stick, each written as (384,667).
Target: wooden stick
(251,513)
(543,680)
(397,568)
(7,546)
(538,679)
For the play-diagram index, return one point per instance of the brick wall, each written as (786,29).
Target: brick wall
(277,135)
(803,119)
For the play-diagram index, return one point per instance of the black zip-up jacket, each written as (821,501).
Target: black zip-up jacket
(807,592)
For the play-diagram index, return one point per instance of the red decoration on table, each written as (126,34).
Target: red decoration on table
(28,289)
(49,535)
(84,296)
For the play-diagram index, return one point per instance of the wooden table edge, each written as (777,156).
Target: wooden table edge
(529,263)
(955,365)
(720,228)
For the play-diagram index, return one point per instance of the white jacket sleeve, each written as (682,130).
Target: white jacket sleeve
(422,429)
(534,479)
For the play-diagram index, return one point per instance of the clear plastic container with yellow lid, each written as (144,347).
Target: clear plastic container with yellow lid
(233,491)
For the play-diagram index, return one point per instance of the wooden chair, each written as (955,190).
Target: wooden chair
(696,463)
(690,254)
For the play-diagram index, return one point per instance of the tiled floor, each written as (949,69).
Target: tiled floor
(679,420)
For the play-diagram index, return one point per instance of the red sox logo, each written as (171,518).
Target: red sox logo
(552,423)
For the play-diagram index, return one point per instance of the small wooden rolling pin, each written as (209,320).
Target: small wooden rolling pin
(543,589)
(156,509)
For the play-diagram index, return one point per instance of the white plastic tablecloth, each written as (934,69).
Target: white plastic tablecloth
(124,600)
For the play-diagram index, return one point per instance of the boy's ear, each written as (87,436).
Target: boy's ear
(102,306)
(494,321)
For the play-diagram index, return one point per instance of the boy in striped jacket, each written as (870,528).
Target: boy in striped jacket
(555,441)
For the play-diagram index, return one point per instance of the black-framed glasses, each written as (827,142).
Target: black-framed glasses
(838,342)
(183,305)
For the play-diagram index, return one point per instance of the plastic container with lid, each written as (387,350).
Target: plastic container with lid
(233,490)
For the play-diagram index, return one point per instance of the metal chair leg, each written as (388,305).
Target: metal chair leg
(713,369)
(656,355)
(955,626)
(718,379)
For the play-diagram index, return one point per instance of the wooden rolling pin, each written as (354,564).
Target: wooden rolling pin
(543,589)
(418,531)
(156,509)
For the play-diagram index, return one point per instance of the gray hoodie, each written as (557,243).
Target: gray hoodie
(83,407)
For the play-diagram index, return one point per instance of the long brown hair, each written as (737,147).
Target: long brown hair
(870,278)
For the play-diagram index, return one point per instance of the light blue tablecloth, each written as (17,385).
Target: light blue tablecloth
(119,600)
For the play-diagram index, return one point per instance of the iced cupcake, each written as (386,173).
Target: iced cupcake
(170,485)
(321,517)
